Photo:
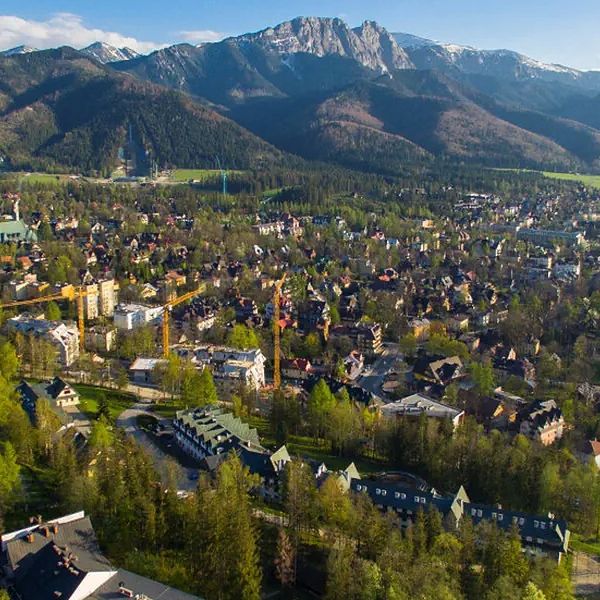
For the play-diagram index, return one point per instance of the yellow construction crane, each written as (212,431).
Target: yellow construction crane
(68,293)
(166,327)
(277,333)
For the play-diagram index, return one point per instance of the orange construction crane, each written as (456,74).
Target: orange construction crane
(69,293)
(166,326)
(277,333)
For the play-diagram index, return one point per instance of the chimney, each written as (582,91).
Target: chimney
(29,538)
(45,531)
(54,528)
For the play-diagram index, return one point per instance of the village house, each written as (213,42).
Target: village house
(61,558)
(542,422)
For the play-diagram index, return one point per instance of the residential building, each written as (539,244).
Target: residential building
(143,370)
(541,536)
(230,367)
(62,559)
(209,431)
(99,338)
(367,339)
(62,335)
(419,404)
(132,316)
(542,421)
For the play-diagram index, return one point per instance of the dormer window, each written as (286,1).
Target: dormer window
(403,496)
(358,488)
(383,492)
(378,491)
(536,524)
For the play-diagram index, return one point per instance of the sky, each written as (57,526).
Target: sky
(549,30)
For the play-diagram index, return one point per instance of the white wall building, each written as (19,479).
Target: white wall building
(132,316)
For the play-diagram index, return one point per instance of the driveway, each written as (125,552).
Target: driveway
(374,376)
(165,464)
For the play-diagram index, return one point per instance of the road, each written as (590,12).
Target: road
(166,465)
(374,377)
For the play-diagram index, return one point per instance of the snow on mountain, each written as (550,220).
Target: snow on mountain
(370,44)
(105,53)
(18,50)
(408,40)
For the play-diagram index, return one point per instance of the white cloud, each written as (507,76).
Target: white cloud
(63,29)
(201,36)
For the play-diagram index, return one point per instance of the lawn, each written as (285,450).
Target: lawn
(90,398)
(587,180)
(47,178)
(184,175)
(589,545)
(307,447)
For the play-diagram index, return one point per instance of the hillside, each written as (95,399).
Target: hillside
(382,124)
(301,86)
(61,109)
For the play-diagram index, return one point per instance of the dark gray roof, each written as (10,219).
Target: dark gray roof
(78,536)
(138,585)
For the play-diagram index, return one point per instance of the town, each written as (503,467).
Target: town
(437,357)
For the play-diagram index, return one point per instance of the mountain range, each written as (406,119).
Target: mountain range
(361,97)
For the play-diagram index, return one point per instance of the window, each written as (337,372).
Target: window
(479,513)
(383,492)
(473,512)
(494,515)
(536,524)
(358,488)
(423,500)
(543,525)
(500,516)
(540,541)
(403,496)
(529,538)
(417,499)
(378,491)
(521,521)
(397,495)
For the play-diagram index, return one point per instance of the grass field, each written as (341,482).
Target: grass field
(589,546)
(90,398)
(184,175)
(587,180)
(46,178)
(309,448)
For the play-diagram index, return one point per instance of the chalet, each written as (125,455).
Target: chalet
(542,421)
(437,371)
(541,536)
(62,559)
(296,369)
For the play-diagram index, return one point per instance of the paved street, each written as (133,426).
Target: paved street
(374,376)
(164,463)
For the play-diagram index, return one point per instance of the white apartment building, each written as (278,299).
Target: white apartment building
(132,316)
